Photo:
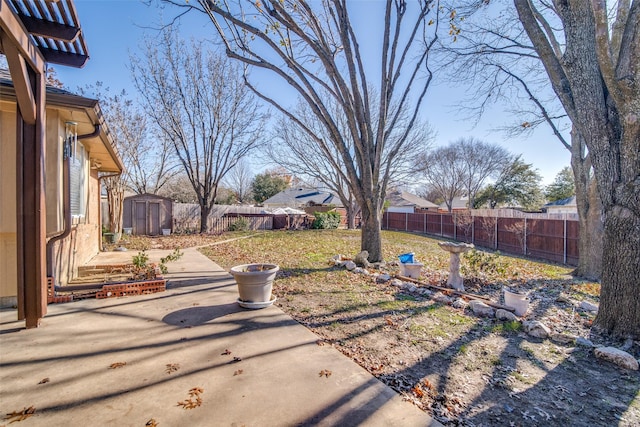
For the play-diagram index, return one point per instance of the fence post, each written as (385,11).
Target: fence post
(425,223)
(406,221)
(564,252)
(455,228)
(495,235)
(525,236)
(387,214)
(441,229)
(473,229)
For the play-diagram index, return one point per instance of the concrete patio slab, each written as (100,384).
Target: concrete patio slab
(125,361)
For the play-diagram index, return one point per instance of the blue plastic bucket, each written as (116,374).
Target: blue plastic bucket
(406,258)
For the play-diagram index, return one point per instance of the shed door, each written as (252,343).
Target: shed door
(140,223)
(154,218)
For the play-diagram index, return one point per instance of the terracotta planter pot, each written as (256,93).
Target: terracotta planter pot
(255,282)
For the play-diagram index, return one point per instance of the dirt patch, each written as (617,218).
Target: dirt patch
(462,369)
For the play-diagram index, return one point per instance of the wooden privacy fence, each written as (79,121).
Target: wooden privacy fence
(549,239)
(186,219)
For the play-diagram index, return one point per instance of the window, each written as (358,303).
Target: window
(78,178)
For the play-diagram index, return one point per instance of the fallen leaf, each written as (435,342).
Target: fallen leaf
(238,372)
(152,423)
(44,380)
(320,342)
(325,373)
(196,391)
(236,359)
(172,367)
(428,384)
(20,415)
(417,390)
(225,353)
(194,399)
(117,365)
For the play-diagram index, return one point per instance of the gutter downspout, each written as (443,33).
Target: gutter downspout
(66,200)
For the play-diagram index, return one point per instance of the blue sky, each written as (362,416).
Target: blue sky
(113,29)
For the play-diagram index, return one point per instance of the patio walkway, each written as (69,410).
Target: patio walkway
(172,342)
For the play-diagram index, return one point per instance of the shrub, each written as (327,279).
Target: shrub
(478,261)
(241,224)
(326,220)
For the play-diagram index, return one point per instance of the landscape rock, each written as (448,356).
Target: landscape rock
(617,356)
(584,342)
(587,306)
(460,304)
(382,278)
(359,270)
(362,259)
(442,298)
(536,329)
(564,299)
(350,265)
(502,314)
(479,308)
(426,292)
(396,282)
(562,338)
(412,288)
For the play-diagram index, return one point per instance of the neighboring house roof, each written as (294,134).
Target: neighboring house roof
(85,112)
(456,203)
(299,196)
(568,202)
(405,199)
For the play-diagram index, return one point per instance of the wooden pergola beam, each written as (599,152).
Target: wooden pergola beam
(54,30)
(17,35)
(53,56)
(21,80)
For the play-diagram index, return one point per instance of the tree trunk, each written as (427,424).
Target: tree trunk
(591,235)
(371,239)
(204,219)
(619,311)
(591,228)
(351,218)
(352,209)
(115,197)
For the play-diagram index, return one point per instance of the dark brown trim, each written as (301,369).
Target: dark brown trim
(64,58)
(54,30)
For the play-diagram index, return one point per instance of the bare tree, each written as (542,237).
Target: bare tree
(147,165)
(296,150)
(462,168)
(480,161)
(200,103)
(444,171)
(239,181)
(592,60)
(495,58)
(315,49)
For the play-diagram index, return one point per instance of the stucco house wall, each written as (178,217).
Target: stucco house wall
(83,242)
(8,228)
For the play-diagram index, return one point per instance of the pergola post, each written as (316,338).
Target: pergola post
(31,212)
